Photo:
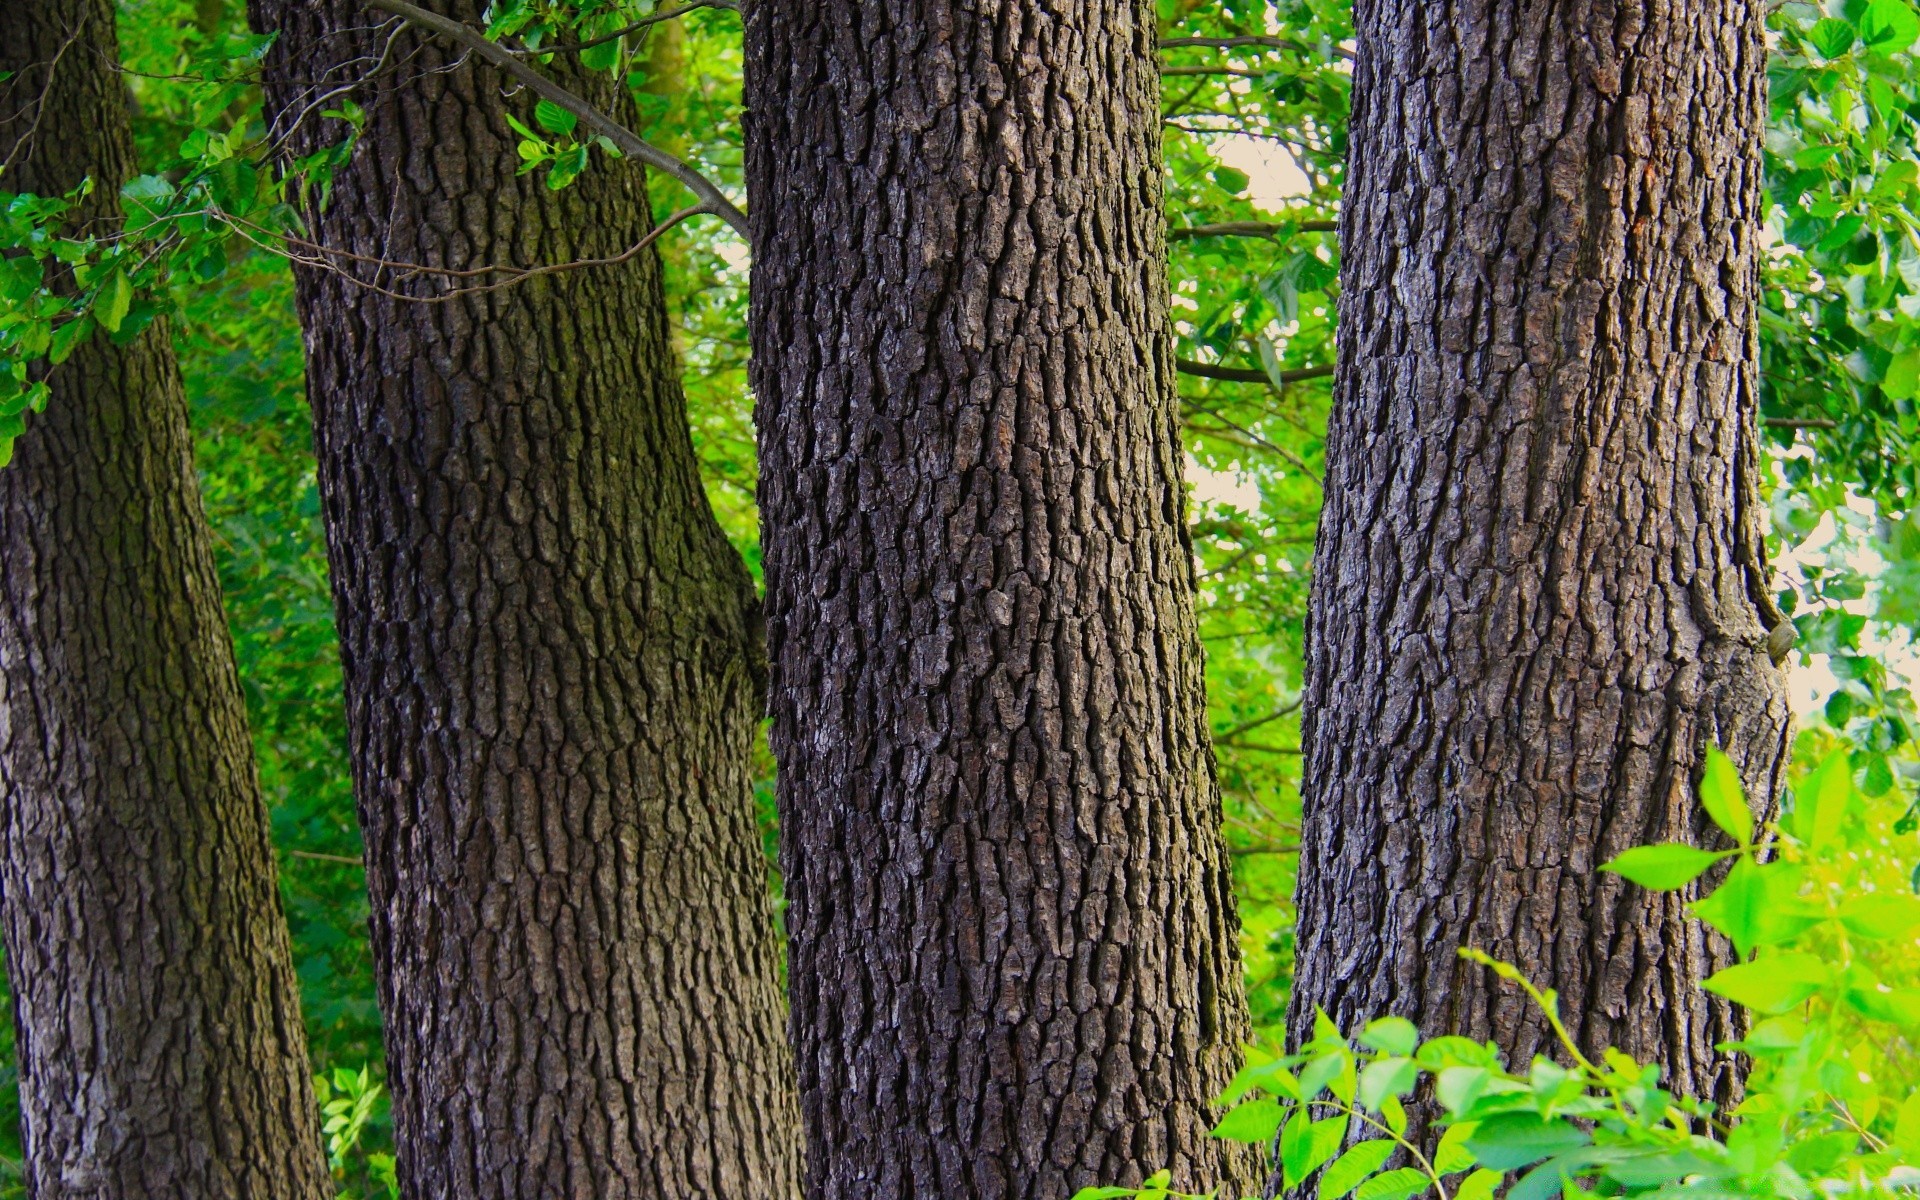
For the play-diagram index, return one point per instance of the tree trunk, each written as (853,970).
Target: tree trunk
(552,659)
(1013,967)
(1540,587)
(160,1045)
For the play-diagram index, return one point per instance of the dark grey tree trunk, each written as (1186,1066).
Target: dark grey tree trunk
(1013,968)
(552,657)
(160,1045)
(1539,587)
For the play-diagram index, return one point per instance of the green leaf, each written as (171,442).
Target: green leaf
(554,119)
(1512,1140)
(1391,1035)
(1773,984)
(1387,1077)
(1906,1127)
(1876,778)
(1458,1087)
(1831,37)
(1451,1154)
(1881,916)
(604,57)
(1255,1121)
(1739,906)
(1306,1145)
(1231,181)
(1889,25)
(111,302)
(1478,1186)
(1820,803)
(1394,1185)
(67,338)
(1724,799)
(1663,868)
(1355,1165)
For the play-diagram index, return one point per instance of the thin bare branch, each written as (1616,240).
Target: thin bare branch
(712,198)
(636,27)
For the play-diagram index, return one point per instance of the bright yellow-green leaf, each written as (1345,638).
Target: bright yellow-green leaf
(1355,1165)
(1663,868)
(1773,984)
(1723,797)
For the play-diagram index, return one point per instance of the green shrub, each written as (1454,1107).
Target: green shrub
(1818,907)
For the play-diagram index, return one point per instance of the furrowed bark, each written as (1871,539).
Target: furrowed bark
(1540,587)
(1013,968)
(160,1046)
(552,659)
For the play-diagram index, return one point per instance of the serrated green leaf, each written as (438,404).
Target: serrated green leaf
(1831,37)
(554,119)
(1355,1165)
(1479,1185)
(1452,1155)
(1394,1185)
(1663,868)
(1255,1121)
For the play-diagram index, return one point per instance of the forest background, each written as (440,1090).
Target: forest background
(1255,101)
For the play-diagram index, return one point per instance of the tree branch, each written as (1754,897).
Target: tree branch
(1232,43)
(1187,366)
(1252,229)
(712,199)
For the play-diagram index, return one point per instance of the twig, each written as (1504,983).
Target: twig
(315,856)
(25,140)
(1799,423)
(636,27)
(712,198)
(1257,722)
(409,270)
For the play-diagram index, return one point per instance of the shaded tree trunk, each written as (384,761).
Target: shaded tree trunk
(160,1046)
(552,658)
(1013,967)
(1539,587)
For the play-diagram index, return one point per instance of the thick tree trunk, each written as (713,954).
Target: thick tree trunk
(160,1045)
(552,658)
(1012,934)
(1539,588)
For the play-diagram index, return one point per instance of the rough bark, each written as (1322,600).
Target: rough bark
(1013,967)
(160,1045)
(552,661)
(1539,586)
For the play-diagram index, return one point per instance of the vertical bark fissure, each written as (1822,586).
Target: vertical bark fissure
(553,677)
(1013,967)
(1539,586)
(160,1046)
